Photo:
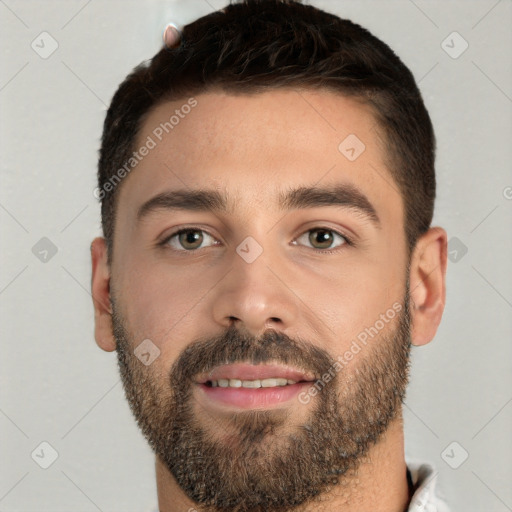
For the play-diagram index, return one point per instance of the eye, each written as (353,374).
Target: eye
(324,238)
(188,239)
(192,239)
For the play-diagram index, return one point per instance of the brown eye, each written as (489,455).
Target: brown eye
(189,239)
(323,238)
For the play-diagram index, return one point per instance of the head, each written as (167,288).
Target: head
(295,148)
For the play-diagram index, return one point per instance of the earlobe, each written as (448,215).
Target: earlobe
(100,286)
(427,282)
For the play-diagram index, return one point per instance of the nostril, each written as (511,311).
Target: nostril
(233,322)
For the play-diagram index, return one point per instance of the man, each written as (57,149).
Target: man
(267,186)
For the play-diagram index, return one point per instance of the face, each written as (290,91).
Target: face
(257,250)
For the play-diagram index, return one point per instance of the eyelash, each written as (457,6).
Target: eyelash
(348,241)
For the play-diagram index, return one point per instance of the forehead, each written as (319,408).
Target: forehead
(253,146)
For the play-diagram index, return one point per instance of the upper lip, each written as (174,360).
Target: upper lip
(247,371)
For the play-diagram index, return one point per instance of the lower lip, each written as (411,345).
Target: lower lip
(249,398)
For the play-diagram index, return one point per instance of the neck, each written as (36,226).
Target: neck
(379,484)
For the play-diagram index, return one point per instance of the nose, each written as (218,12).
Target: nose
(255,296)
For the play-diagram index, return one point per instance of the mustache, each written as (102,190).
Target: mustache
(234,346)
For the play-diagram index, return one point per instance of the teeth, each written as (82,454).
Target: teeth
(251,383)
(258,383)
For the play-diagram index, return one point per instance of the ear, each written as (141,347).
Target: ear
(100,285)
(427,285)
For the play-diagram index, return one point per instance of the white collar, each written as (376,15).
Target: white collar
(424,499)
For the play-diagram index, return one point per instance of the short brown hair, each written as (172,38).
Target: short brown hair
(258,45)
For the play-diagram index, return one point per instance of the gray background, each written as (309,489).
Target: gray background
(58,387)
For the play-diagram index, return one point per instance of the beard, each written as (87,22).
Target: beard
(266,460)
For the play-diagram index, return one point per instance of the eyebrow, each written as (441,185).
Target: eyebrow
(342,195)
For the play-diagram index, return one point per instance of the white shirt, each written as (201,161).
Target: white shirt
(424,499)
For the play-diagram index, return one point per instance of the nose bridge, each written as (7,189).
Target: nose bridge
(254,293)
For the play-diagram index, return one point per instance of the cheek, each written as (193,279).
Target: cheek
(354,296)
(162,303)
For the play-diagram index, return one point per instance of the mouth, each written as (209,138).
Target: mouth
(248,386)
